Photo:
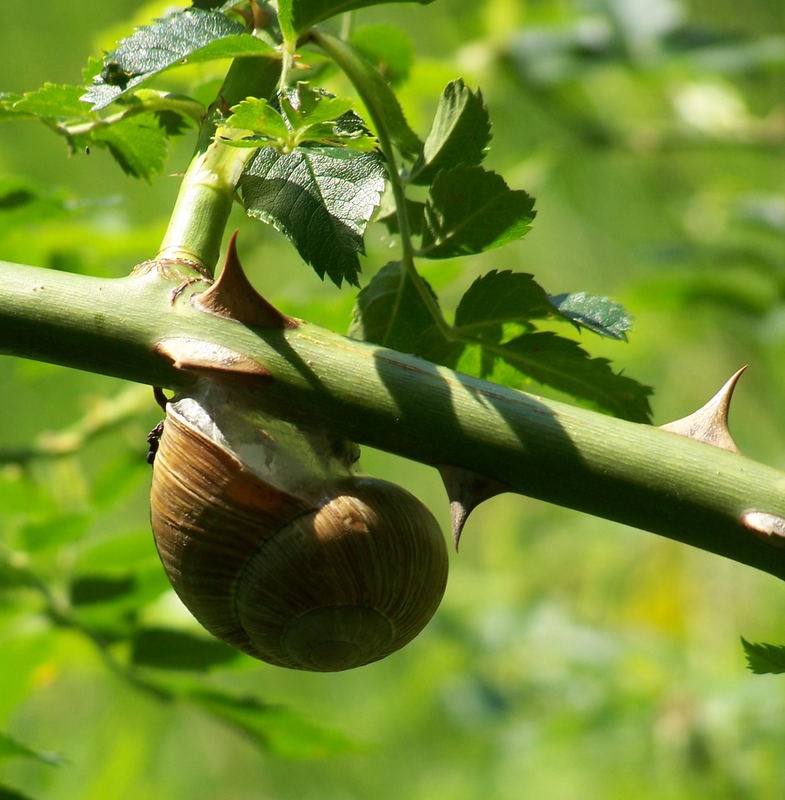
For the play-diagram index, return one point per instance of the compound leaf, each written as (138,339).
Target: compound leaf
(470,210)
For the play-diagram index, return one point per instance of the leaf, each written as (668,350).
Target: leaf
(296,16)
(165,43)
(415,213)
(91,589)
(258,116)
(470,210)
(121,552)
(177,650)
(320,198)
(308,117)
(557,362)
(763,658)
(387,48)
(23,202)
(500,297)
(52,101)
(138,144)
(390,312)
(6,793)
(274,729)
(11,748)
(54,531)
(598,314)
(460,133)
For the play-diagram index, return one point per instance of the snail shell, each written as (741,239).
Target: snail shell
(278,549)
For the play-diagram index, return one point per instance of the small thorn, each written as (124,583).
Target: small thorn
(709,423)
(233,296)
(466,490)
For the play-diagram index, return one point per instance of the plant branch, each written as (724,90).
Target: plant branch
(346,58)
(611,468)
(205,199)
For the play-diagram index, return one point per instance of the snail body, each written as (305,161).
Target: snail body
(277,548)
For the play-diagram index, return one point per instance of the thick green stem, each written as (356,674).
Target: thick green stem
(624,471)
(202,207)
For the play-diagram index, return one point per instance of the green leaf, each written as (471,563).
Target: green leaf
(460,133)
(497,298)
(390,311)
(598,314)
(52,101)
(12,748)
(415,213)
(257,115)
(119,553)
(296,16)
(274,729)
(470,210)
(387,48)
(165,43)
(308,117)
(6,793)
(23,202)
(165,648)
(138,144)
(129,590)
(320,198)
(54,531)
(557,362)
(763,658)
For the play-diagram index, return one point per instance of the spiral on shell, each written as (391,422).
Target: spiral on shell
(278,549)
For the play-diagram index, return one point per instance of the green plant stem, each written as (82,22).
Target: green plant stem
(346,58)
(201,211)
(611,468)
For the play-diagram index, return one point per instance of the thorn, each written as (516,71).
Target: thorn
(709,423)
(232,296)
(466,490)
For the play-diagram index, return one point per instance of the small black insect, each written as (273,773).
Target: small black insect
(153,438)
(114,75)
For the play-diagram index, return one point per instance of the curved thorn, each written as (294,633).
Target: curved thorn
(466,490)
(233,296)
(709,423)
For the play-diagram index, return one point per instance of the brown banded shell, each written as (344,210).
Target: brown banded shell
(327,582)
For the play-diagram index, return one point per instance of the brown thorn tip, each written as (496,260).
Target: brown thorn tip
(232,296)
(466,490)
(709,423)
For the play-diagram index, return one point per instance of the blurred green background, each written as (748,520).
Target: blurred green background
(572,657)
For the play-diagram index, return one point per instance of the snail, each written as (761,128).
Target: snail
(277,547)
